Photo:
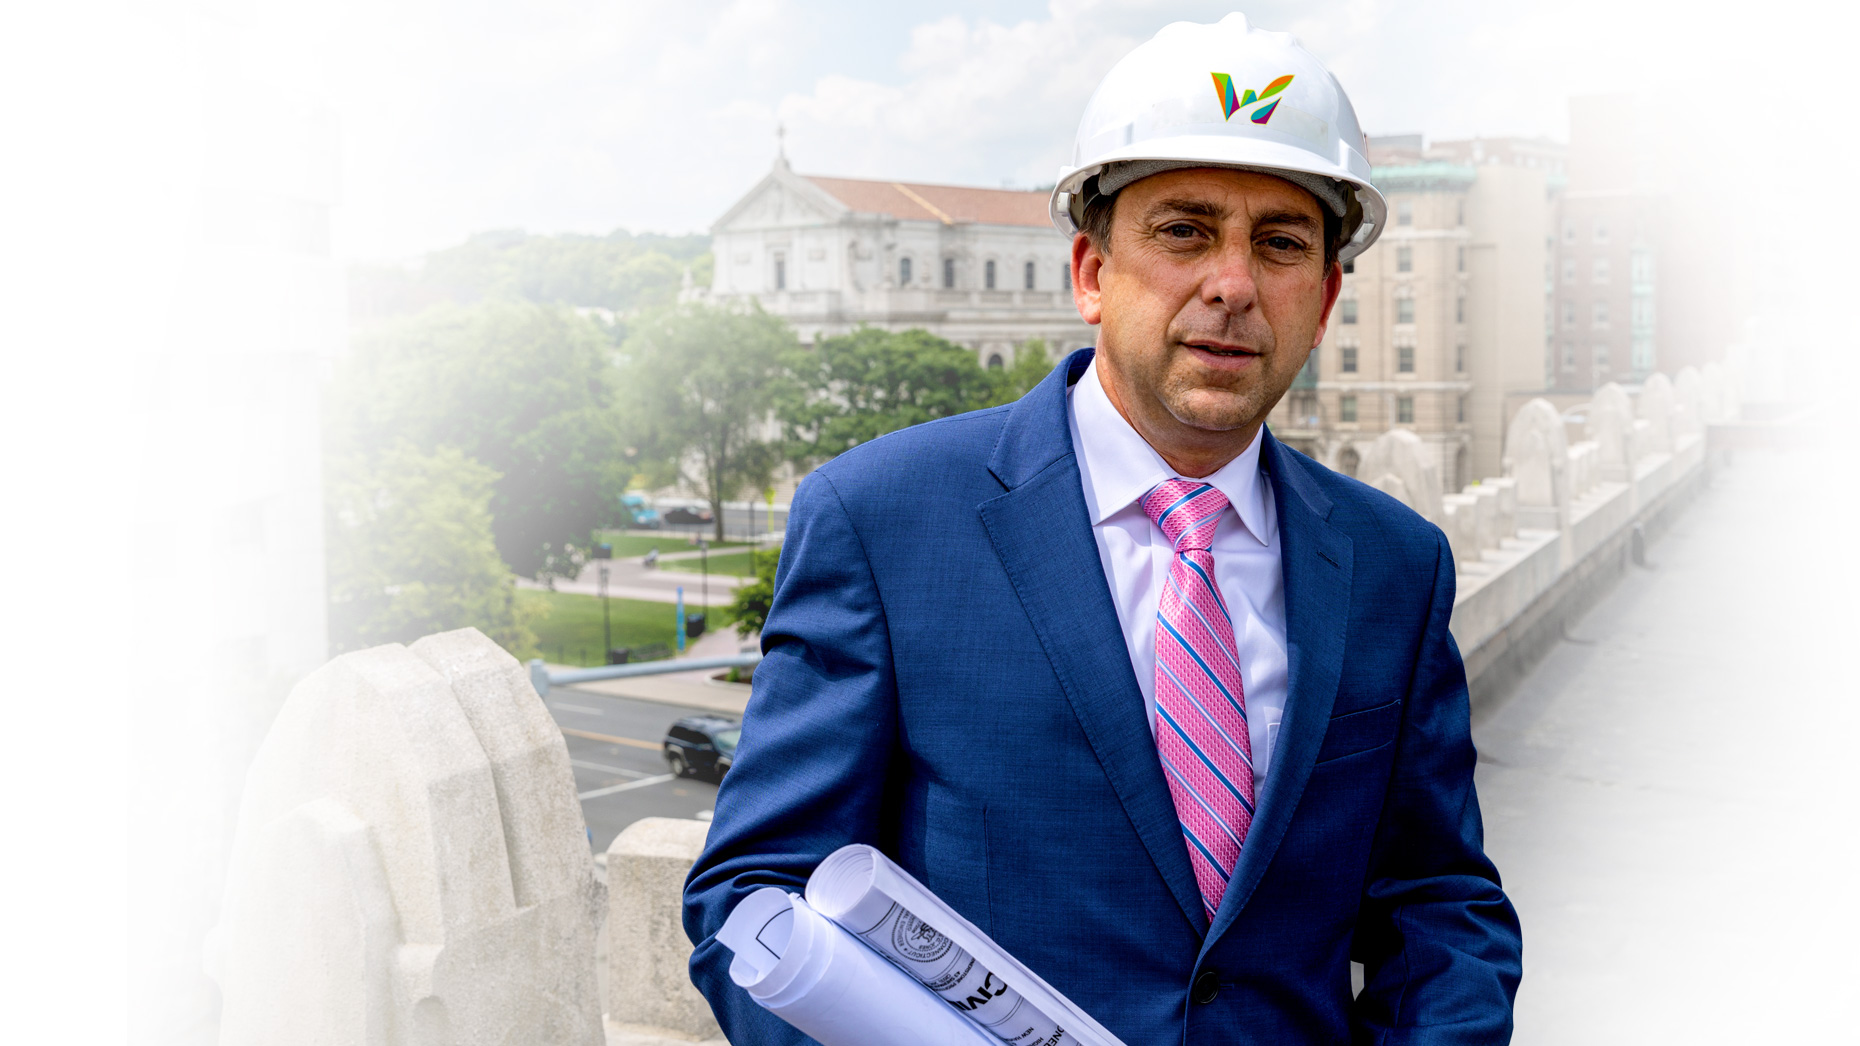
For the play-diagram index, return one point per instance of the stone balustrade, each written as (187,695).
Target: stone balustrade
(411,864)
(1529,546)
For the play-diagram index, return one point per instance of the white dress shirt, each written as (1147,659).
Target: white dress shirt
(1117,467)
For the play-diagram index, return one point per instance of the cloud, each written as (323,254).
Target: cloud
(560,115)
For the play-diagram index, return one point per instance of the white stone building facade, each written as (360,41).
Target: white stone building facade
(983,268)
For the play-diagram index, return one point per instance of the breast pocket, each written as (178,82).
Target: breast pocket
(1358,732)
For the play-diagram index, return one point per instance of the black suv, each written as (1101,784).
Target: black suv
(702,745)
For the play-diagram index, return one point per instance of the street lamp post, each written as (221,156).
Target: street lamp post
(607,626)
(704,572)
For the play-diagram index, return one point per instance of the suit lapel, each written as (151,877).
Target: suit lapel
(1041,531)
(1315,558)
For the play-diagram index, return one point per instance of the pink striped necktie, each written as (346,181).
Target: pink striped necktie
(1201,730)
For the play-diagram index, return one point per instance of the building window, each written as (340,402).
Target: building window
(1600,269)
(1349,266)
(994,359)
(1569,355)
(1346,407)
(1599,316)
(1459,359)
(949,273)
(1601,231)
(1643,314)
(1460,256)
(781,271)
(1461,410)
(1404,310)
(988,274)
(1348,357)
(1569,232)
(1349,310)
(1027,276)
(1404,213)
(1404,359)
(1404,410)
(1065,278)
(1601,359)
(1569,314)
(904,272)
(1569,270)
(1305,410)
(1404,259)
(1459,309)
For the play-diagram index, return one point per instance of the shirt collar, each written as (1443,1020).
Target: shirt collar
(1117,465)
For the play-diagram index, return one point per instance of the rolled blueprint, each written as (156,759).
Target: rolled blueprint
(863,891)
(821,979)
(940,965)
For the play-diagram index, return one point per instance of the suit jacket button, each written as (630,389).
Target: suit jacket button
(1206,986)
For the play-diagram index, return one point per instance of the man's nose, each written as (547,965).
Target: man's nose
(1230,281)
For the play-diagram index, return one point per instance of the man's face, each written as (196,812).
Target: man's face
(1212,294)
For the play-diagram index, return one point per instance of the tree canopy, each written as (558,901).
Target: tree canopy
(699,386)
(620,271)
(410,551)
(524,389)
(856,387)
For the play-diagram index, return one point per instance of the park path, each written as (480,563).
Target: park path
(1672,796)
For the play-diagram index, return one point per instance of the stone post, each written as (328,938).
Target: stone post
(1537,458)
(1611,427)
(1656,408)
(1398,463)
(650,994)
(411,867)
(1458,521)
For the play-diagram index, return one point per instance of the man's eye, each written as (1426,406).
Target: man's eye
(1181,230)
(1283,243)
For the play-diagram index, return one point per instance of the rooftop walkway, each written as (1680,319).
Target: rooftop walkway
(1673,795)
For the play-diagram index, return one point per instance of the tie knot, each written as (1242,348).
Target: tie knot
(1187,511)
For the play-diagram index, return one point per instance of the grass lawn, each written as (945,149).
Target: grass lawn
(639,542)
(735,564)
(570,633)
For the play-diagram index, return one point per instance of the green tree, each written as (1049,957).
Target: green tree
(750,606)
(525,389)
(700,383)
(1030,367)
(410,551)
(856,387)
(619,271)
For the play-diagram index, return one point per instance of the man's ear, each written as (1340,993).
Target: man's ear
(1087,259)
(1333,286)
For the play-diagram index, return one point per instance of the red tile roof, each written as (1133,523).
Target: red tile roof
(938,203)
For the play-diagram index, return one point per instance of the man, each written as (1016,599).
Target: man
(1167,709)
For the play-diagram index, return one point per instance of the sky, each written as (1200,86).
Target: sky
(457,116)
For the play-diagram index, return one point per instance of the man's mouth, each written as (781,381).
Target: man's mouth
(1218,349)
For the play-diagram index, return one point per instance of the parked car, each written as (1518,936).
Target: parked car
(685,515)
(637,513)
(702,745)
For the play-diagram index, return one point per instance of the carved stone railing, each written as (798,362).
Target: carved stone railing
(411,864)
(1536,545)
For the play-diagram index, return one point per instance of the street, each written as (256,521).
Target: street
(619,769)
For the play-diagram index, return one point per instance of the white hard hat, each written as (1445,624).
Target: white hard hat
(1224,95)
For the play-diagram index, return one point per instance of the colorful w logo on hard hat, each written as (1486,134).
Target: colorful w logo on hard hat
(1231,104)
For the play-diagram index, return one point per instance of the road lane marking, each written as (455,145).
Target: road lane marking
(612,789)
(603,767)
(634,742)
(577,708)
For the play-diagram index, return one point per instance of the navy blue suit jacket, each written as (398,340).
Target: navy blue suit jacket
(945,678)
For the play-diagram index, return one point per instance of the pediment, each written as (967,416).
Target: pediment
(780,202)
